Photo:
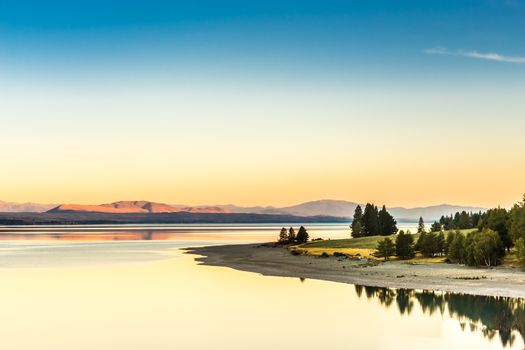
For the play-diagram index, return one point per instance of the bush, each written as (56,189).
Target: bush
(404,245)
(385,249)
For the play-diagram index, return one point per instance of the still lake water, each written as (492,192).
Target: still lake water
(131,287)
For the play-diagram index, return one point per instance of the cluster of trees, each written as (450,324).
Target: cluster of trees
(289,236)
(482,248)
(403,248)
(372,222)
(461,221)
(479,248)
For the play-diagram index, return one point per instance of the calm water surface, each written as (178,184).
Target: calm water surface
(131,287)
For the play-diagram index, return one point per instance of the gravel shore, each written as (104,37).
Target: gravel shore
(275,261)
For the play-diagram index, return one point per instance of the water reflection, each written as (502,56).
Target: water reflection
(494,316)
(88,233)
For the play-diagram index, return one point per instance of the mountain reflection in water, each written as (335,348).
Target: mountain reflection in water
(494,316)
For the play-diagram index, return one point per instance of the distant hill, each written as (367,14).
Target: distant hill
(430,213)
(133,207)
(332,208)
(337,208)
(9,207)
(341,208)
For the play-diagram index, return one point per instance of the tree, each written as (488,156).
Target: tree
(484,248)
(302,235)
(421,225)
(387,223)
(441,244)
(428,244)
(370,220)
(283,236)
(497,220)
(404,245)
(516,222)
(357,226)
(357,229)
(464,221)
(291,235)
(456,249)
(385,248)
(520,251)
(436,227)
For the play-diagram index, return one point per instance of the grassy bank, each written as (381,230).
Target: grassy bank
(363,246)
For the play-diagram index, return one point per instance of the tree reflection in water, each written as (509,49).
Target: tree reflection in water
(492,315)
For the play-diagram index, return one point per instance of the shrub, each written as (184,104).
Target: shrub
(385,249)
(404,245)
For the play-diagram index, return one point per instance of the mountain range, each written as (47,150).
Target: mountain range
(334,208)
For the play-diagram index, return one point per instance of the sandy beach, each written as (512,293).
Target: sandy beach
(275,261)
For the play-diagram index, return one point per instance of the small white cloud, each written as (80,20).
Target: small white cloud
(476,54)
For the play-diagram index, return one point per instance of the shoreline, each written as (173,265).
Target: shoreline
(275,261)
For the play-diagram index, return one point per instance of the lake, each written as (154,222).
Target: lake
(132,287)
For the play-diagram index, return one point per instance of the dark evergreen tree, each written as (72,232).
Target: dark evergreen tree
(516,222)
(428,244)
(387,223)
(441,243)
(421,225)
(370,220)
(302,235)
(436,227)
(357,223)
(456,251)
(404,245)
(291,235)
(385,248)
(465,221)
(283,236)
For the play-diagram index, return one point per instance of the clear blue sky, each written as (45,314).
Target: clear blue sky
(320,39)
(195,80)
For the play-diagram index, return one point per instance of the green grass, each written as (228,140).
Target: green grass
(360,243)
(363,246)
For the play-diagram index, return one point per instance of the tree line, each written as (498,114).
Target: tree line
(372,222)
(289,236)
(461,220)
(498,230)
(479,248)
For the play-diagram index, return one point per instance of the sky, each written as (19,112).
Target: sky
(403,102)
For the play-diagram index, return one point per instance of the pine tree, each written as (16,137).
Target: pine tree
(283,236)
(291,235)
(421,225)
(370,220)
(387,223)
(404,245)
(302,235)
(436,227)
(357,226)
(385,248)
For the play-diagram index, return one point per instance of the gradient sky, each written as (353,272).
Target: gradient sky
(404,102)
